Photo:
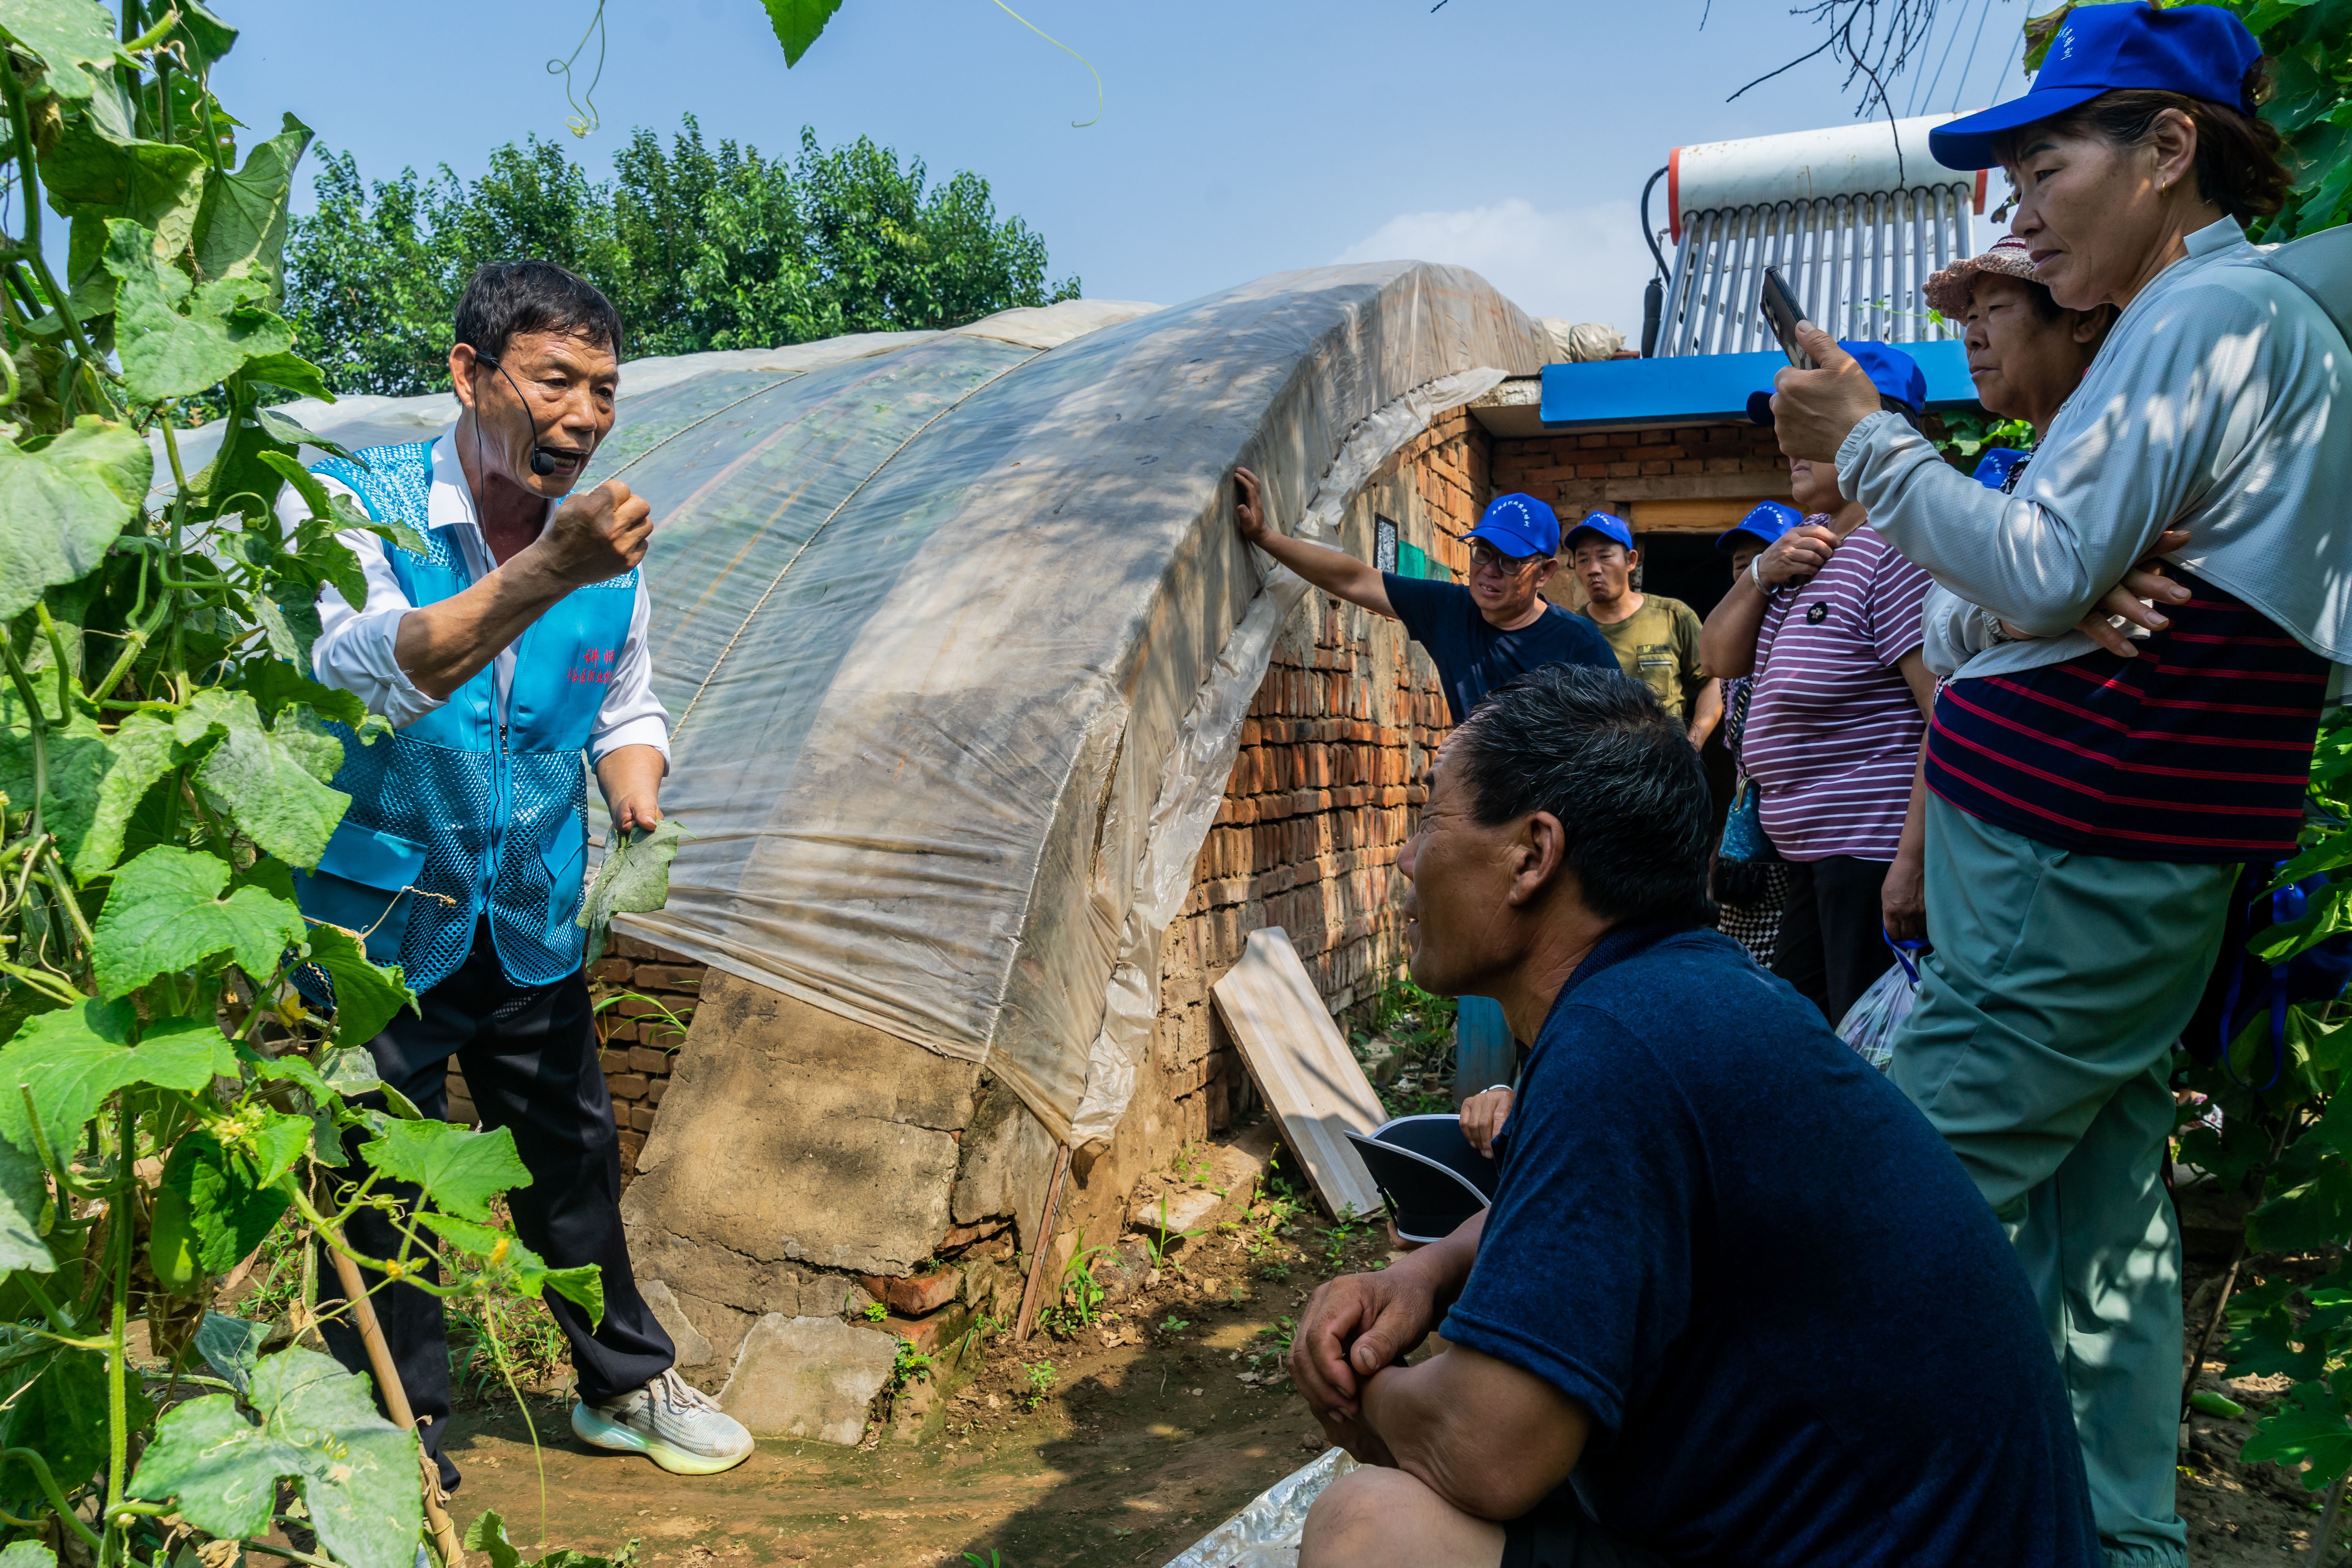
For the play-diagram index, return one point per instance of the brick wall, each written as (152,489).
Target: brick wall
(1323,792)
(1579,473)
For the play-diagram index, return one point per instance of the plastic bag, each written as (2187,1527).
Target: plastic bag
(1265,1534)
(1870,1024)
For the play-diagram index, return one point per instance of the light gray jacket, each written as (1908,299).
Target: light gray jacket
(2221,403)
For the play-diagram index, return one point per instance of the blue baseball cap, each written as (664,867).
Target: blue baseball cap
(1518,524)
(1895,374)
(1992,468)
(1606,526)
(2201,51)
(1767,522)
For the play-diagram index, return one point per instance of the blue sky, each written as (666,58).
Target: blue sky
(1236,139)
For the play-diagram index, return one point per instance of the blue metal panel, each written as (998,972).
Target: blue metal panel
(1706,389)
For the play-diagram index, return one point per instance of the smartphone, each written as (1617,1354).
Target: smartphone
(1780,308)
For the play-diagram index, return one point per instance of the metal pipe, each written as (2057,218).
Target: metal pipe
(1675,281)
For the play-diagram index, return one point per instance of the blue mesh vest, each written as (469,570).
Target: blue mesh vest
(475,810)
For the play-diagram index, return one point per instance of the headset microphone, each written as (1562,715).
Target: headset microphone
(543,462)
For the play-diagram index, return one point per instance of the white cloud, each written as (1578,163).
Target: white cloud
(1587,264)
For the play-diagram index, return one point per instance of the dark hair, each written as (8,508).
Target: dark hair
(1596,749)
(2238,166)
(503,298)
(1911,415)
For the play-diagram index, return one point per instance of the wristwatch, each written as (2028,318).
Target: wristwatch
(1756,573)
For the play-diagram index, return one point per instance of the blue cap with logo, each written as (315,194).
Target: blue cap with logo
(1895,374)
(1767,522)
(2200,51)
(1993,469)
(1606,526)
(1518,524)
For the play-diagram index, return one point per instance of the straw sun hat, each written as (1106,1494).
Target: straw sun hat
(1947,291)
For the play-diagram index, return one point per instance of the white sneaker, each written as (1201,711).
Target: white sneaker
(669,1421)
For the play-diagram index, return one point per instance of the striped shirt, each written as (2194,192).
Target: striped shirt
(2196,751)
(1834,729)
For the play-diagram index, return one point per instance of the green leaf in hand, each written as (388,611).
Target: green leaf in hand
(460,1171)
(165,913)
(367,995)
(634,880)
(318,1425)
(797,24)
(62,506)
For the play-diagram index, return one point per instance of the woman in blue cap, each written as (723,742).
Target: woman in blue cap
(2091,807)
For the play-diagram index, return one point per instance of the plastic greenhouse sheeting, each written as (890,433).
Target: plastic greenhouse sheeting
(957,635)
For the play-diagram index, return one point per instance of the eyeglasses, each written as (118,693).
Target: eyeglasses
(1485,555)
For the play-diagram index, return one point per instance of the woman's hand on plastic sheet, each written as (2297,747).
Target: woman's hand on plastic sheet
(1483,1115)
(1352,1328)
(1802,552)
(1249,507)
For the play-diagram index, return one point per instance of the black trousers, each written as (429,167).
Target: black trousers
(529,1057)
(1833,942)
(1560,1534)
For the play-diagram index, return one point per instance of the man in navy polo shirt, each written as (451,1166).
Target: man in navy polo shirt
(1734,1302)
(1479,635)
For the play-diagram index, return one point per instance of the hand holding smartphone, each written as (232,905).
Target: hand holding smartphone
(1782,310)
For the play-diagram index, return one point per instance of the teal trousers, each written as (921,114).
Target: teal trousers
(2040,1048)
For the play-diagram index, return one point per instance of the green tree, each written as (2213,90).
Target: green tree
(698,248)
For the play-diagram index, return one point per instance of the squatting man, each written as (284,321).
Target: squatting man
(515,642)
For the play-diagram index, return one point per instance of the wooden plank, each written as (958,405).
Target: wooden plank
(1695,516)
(1302,1063)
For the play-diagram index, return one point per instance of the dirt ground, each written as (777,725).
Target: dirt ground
(1152,1424)
(1144,1436)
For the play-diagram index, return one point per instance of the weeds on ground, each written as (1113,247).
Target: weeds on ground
(1173,1325)
(990,1561)
(875,1312)
(1273,1344)
(1041,1383)
(1079,1301)
(1158,1247)
(909,1366)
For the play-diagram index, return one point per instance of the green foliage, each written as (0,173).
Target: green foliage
(1968,433)
(797,24)
(312,1422)
(166,768)
(2290,1148)
(907,1366)
(488,1535)
(1078,1302)
(698,248)
(1040,1375)
(1158,1245)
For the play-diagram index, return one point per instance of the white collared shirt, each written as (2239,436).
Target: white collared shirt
(355,648)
